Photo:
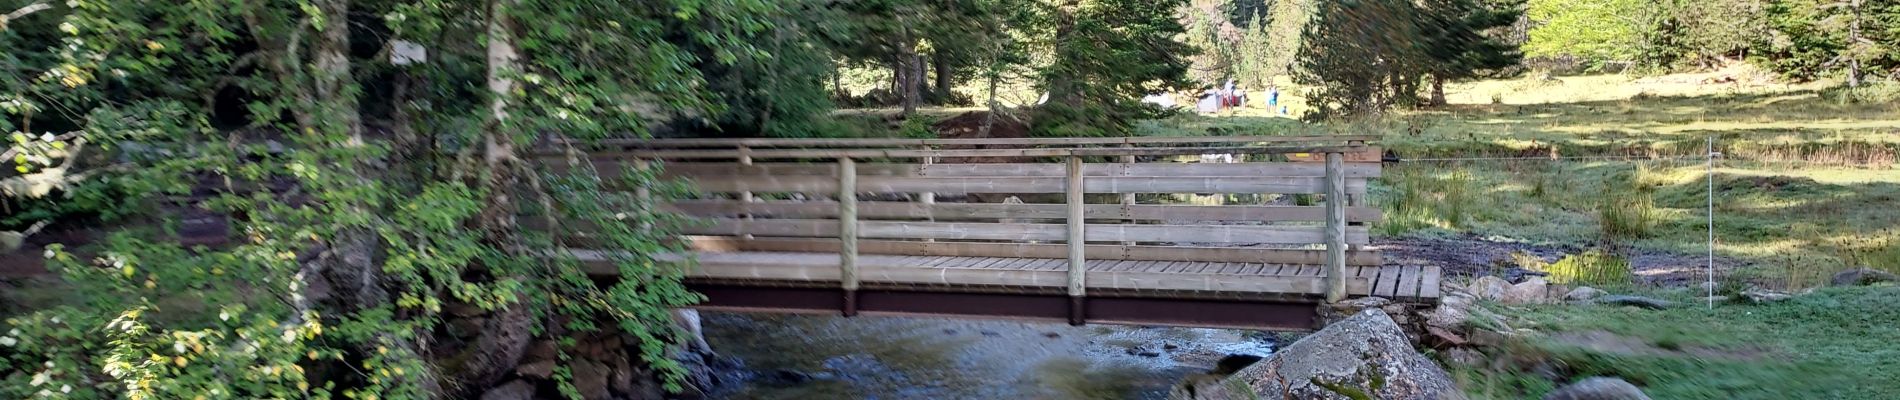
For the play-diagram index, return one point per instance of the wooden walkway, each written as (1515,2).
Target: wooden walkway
(1189,278)
(857,226)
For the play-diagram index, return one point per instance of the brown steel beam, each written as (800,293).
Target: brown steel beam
(1052,307)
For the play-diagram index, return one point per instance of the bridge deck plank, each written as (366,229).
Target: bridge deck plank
(1388,282)
(1408,282)
(1428,287)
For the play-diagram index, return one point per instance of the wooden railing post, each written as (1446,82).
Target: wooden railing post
(929,198)
(1335,228)
(1077,244)
(848,232)
(1128,199)
(644,195)
(745,158)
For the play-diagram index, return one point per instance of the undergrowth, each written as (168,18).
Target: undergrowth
(1834,344)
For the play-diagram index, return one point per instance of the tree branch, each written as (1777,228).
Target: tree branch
(23,12)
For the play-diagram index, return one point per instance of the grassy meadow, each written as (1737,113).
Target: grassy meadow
(1807,185)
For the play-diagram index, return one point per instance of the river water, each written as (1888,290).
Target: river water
(829,357)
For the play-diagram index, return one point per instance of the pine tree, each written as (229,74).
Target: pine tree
(1360,57)
(1455,42)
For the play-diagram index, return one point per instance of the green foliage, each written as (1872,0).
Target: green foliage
(1595,30)
(1628,214)
(779,90)
(265,106)
(1418,200)
(1456,40)
(1360,57)
(1592,268)
(1106,56)
(1813,38)
(1833,343)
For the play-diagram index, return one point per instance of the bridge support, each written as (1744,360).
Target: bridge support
(1078,245)
(848,232)
(1051,307)
(1335,227)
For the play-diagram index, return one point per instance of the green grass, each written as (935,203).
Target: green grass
(1834,344)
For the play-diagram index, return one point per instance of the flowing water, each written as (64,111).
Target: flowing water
(828,357)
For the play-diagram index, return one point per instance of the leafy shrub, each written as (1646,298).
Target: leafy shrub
(1592,267)
(1628,215)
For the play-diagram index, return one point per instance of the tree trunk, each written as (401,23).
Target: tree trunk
(505,335)
(837,82)
(347,275)
(908,62)
(1853,38)
(1062,86)
(1438,90)
(944,77)
(921,75)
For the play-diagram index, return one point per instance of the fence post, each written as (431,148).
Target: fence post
(1128,199)
(745,159)
(929,199)
(848,232)
(1077,242)
(1335,228)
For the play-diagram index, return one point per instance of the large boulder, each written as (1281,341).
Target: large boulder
(1365,356)
(1584,293)
(1531,291)
(513,390)
(1488,288)
(1598,388)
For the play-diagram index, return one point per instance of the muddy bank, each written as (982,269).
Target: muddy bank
(1473,255)
(795,357)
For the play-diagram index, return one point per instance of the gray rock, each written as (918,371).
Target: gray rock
(541,350)
(1598,388)
(590,378)
(1465,357)
(1488,288)
(1584,293)
(1765,296)
(1450,314)
(1862,277)
(537,370)
(1363,356)
(1365,302)
(514,390)
(1636,301)
(1531,291)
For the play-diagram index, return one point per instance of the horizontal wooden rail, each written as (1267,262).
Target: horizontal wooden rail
(992,211)
(1107,184)
(1033,250)
(766,143)
(692,170)
(903,153)
(809,267)
(1270,234)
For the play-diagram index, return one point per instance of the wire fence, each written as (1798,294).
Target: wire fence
(1812,259)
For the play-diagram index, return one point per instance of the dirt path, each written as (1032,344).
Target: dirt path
(1472,255)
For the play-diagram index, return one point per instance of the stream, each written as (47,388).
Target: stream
(830,357)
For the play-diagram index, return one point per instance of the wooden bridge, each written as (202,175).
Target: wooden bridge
(1070,229)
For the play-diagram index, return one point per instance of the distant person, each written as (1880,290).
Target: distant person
(1273,96)
(1227,95)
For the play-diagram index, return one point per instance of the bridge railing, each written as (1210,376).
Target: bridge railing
(887,196)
